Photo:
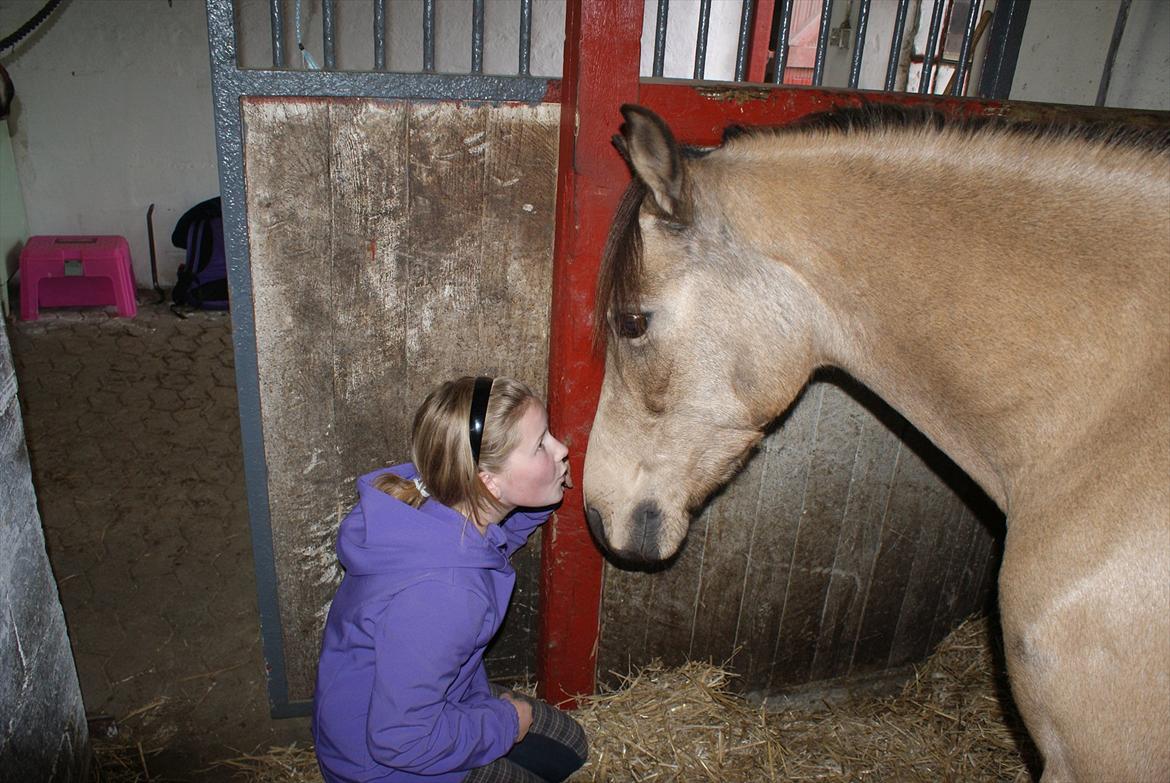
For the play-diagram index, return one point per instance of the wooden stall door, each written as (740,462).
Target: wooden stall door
(393,244)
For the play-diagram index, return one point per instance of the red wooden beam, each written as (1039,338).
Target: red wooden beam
(698,114)
(602,54)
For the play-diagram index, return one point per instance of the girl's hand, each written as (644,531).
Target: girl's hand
(523,711)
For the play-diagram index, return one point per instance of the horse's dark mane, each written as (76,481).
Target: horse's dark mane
(619,278)
(886,116)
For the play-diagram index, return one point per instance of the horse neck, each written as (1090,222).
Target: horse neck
(955,291)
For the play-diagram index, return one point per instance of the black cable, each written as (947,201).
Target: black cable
(30,25)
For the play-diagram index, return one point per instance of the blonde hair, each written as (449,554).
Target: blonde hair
(441,448)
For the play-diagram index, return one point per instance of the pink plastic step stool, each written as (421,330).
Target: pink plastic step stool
(76,271)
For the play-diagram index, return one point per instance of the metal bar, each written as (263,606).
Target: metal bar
(896,46)
(745,33)
(327,34)
(276,17)
(660,37)
(1003,49)
(701,43)
(477,36)
(931,44)
(230,156)
(783,30)
(379,35)
(391,85)
(1118,32)
(859,44)
(428,36)
(822,43)
(525,36)
(965,50)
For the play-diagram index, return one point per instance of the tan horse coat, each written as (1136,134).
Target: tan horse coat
(1008,293)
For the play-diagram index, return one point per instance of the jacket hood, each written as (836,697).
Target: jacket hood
(382,534)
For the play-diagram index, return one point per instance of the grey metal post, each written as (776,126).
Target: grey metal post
(701,42)
(477,36)
(859,44)
(965,49)
(1003,49)
(276,19)
(745,31)
(936,17)
(379,35)
(822,43)
(783,30)
(896,46)
(525,36)
(327,34)
(660,37)
(428,36)
(1114,43)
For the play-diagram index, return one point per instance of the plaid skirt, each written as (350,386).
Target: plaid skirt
(554,748)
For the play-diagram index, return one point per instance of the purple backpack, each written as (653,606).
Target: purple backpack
(202,280)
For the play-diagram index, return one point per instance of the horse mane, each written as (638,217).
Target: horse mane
(870,117)
(619,277)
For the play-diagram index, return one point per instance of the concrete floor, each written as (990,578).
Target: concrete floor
(134,438)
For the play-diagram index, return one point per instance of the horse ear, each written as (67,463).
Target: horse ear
(655,158)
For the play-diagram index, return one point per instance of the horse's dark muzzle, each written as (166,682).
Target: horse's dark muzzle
(646,526)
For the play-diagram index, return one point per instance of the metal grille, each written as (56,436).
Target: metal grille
(927,47)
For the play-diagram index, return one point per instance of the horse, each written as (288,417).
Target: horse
(1006,290)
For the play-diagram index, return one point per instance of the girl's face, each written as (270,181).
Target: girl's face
(534,474)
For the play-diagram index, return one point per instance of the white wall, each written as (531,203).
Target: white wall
(114,106)
(113,113)
(114,103)
(1064,47)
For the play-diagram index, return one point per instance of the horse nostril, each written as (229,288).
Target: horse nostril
(594,518)
(648,524)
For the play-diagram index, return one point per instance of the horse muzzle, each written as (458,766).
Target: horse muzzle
(643,542)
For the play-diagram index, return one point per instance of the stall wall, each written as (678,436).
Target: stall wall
(43,733)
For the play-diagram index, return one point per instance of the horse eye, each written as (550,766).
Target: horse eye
(632,325)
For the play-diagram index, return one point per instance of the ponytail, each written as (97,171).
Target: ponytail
(403,489)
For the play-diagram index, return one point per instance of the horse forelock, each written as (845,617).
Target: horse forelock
(619,280)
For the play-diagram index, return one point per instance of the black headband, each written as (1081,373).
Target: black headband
(479,403)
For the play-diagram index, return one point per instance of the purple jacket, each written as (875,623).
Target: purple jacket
(402,694)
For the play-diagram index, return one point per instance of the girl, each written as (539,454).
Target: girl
(402,694)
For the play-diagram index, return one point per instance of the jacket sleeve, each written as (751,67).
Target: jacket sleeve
(519,526)
(414,723)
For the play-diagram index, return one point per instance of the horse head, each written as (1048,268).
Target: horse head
(707,339)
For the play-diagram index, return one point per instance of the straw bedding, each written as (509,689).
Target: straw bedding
(952,722)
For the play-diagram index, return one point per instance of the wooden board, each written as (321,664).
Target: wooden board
(847,547)
(392,245)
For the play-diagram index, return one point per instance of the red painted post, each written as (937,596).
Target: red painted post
(760,48)
(602,52)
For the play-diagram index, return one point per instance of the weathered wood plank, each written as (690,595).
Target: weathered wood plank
(732,530)
(913,501)
(834,450)
(781,491)
(288,183)
(387,255)
(519,152)
(858,542)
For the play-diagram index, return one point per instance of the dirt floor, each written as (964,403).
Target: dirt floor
(134,438)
